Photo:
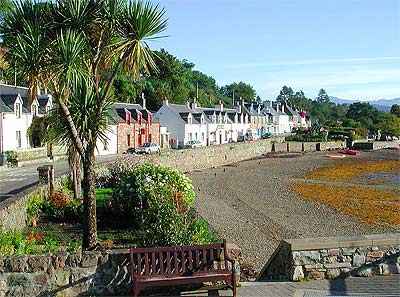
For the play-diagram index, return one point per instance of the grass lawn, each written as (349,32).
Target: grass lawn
(103,195)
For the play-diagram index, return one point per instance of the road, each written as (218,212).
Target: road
(16,180)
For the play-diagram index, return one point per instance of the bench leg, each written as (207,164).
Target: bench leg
(136,291)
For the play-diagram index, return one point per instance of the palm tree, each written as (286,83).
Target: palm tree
(82,45)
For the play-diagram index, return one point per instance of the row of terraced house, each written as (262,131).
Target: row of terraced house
(172,126)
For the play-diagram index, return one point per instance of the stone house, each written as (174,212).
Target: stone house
(134,126)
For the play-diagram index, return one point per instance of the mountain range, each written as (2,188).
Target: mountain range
(380,104)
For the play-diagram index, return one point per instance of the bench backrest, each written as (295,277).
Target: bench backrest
(178,260)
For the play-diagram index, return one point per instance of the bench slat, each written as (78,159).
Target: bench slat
(161,260)
(139,260)
(146,264)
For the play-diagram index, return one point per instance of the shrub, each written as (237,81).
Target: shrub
(20,243)
(34,206)
(12,158)
(103,176)
(158,202)
(60,207)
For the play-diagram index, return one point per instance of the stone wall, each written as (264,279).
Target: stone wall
(295,147)
(331,145)
(376,145)
(310,146)
(332,257)
(279,147)
(64,274)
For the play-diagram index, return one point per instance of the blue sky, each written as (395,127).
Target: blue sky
(349,47)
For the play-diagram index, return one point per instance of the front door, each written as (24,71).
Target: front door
(220,138)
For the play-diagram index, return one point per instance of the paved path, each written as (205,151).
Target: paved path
(378,286)
(16,180)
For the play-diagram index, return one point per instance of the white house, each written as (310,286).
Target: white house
(209,126)
(16,116)
(278,120)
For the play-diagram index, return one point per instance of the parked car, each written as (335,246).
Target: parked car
(130,151)
(266,135)
(148,148)
(193,144)
(241,138)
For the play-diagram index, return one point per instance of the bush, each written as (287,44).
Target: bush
(60,207)
(20,243)
(103,176)
(34,206)
(158,202)
(12,158)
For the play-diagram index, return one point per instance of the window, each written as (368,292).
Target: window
(149,137)
(190,136)
(195,136)
(202,136)
(18,110)
(150,118)
(226,136)
(48,107)
(18,138)
(128,140)
(105,145)
(128,117)
(139,118)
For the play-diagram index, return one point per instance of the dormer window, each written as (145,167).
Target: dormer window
(48,107)
(214,118)
(18,108)
(128,117)
(190,120)
(202,119)
(139,118)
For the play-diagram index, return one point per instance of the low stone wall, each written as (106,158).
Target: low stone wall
(295,147)
(376,145)
(331,145)
(310,146)
(64,274)
(332,257)
(280,147)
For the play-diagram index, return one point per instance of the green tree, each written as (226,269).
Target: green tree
(241,90)
(322,96)
(389,124)
(285,95)
(364,113)
(76,48)
(395,109)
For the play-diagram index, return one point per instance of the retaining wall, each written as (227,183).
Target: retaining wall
(376,145)
(332,257)
(295,147)
(64,274)
(331,145)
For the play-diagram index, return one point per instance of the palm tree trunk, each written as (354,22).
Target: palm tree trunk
(74,161)
(89,201)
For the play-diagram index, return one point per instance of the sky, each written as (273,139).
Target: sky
(351,48)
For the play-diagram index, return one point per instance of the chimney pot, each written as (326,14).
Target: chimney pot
(143,101)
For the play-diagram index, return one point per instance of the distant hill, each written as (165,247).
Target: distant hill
(381,104)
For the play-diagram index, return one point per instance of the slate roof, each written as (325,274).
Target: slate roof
(7,103)
(117,112)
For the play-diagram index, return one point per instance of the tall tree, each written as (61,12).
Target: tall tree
(83,44)
(285,95)
(241,90)
(395,109)
(323,97)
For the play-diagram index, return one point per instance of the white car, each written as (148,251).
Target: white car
(148,148)
(193,144)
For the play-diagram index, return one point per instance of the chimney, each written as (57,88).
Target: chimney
(241,101)
(188,104)
(143,101)
(283,108)
(270,104)
(221,105)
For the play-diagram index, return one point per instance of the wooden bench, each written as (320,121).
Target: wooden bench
(177,265)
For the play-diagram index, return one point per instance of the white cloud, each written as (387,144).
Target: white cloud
(313,62)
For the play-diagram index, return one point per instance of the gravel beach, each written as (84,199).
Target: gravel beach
(250,203)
